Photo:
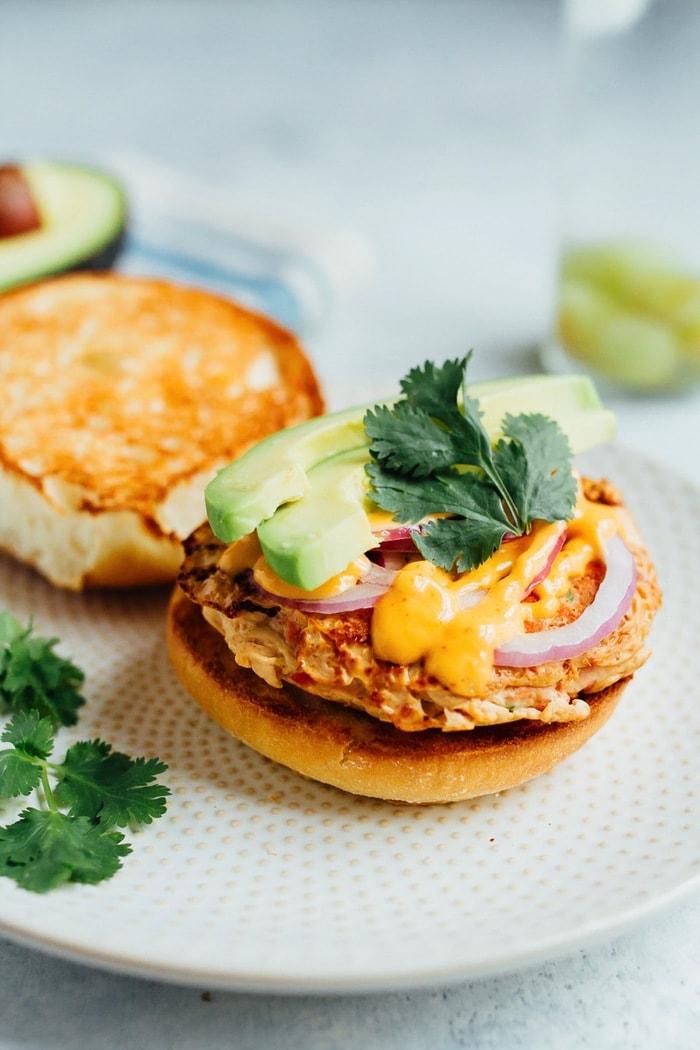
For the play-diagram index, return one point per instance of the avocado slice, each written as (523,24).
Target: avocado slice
(274,471)
(83,220)
(572,401)
(313,539)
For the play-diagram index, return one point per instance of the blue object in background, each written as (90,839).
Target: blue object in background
(265,294)
(287,287)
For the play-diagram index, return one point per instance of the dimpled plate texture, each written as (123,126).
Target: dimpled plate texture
(258,879)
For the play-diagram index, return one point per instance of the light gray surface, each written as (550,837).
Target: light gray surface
(427,129)
(639,991)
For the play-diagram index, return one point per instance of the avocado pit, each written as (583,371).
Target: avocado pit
(18,210)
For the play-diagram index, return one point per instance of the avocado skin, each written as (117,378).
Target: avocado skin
(104,258)
(101,260)
(62,247)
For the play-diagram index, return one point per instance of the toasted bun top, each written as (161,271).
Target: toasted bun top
(115,389)
(350,750)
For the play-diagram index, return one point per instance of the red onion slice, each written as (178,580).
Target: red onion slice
(362,595)
(546,569)
(379,575)
(359,596)
(403,545)
(393,560)
(602,616)
(395,533)
(397,538)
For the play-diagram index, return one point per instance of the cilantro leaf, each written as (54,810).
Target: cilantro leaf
(459,543)
(101,789)
(455,493)
(30,733)
(428,433)
(32,738)
(464,540)
(33,676)
(404,441)
(528,442)
(44,849)
(431,457)
(109,786)
(18,774)
(435,388)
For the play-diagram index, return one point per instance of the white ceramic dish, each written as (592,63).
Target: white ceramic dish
(256,879)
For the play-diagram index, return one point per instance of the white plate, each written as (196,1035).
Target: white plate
(257,879)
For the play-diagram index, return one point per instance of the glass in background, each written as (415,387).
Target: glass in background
(629,270)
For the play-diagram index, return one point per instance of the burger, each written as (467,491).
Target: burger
(421,600)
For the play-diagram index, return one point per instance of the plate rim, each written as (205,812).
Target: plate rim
(319,985)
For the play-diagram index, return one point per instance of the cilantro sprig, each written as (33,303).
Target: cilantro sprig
(431,455)
(72,834)
(34,677)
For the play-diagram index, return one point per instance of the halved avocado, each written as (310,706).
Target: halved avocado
(83,219)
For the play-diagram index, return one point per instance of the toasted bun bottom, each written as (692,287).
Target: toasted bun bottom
(353,751)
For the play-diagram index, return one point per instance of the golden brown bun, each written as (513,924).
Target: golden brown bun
(353,751)
(119,399)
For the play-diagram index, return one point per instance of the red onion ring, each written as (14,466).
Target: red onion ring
(596,622)
(401,546)
(395,533)
(388,559)
(397,538)
(376,581)
(380,575)
(363,595)
(546,569)
(360,596)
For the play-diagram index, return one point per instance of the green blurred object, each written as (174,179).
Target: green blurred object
(627,306)
(630,312)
